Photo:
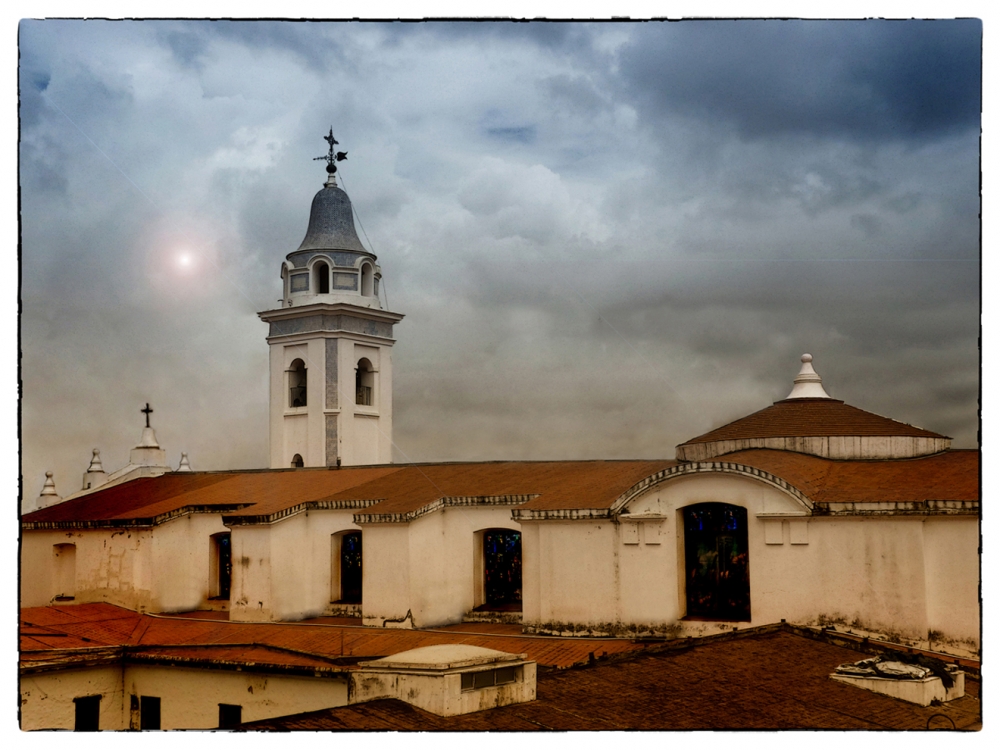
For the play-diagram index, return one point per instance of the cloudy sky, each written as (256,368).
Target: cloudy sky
(606,238)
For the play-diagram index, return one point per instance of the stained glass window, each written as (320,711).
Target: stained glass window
(717,561)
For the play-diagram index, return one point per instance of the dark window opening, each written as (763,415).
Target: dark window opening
(297,380)
(322,278)
(488,678)
(297,462)
(364,380)
(223,565)
(230,716)
(149,712)
(502,569)
(350,568)
(717,562)
(88,713)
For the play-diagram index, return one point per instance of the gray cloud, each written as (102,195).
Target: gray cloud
(606,238)
(866,80)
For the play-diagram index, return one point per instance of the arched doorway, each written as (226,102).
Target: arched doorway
(345,567)
(717,562)
(501,570)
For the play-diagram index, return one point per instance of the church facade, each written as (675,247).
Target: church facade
(809,511)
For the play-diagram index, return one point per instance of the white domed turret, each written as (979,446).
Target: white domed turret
(184,465)
(331,265)
(95,475)
(48,495)
(808,383)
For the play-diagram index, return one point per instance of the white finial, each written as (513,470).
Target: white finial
(48,495)
(49,488)
(808,384)
(95,462)
(184,465)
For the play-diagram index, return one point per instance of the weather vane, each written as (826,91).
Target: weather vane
(333,157)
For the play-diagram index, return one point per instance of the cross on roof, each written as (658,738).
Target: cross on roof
(147,411)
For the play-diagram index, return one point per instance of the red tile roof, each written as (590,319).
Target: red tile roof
(541,485)
(777,680)
(951,475)
(108,625)
(811,417)
(394,489)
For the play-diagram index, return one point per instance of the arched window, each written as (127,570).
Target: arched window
(717,562)
(220,566)
(498,569)
(367,280)
(345,568)
(364,381)
(297,462)
(322,271)
(297,384)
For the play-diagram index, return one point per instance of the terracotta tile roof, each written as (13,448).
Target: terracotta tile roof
(809,417)
(400,489)
(108,625)
(772,681)
(558,484)
(131,499)
(951,475)
(550,485)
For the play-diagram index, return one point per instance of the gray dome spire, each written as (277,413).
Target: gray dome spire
(331,222)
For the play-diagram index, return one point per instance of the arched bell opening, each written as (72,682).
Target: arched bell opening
(367,280)
(297,384)
(321,272)
(364,382)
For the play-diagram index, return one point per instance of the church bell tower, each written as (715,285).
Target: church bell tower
(331,344)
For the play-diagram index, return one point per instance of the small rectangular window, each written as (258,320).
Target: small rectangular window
(482,680)
(506,675)
(88,713)
(230,716)
(149,712)
(467,683)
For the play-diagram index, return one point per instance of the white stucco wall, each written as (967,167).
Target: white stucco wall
(47,697)
(952,569)
(442,561)
(182,549)
(895,575)
(386,574)
(365,432)
(281,571)
(111,566)
(189,698)
(158,569)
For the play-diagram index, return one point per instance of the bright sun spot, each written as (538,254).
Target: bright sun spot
(184,260)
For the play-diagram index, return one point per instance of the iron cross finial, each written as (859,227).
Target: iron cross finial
(147,411)
(333,157)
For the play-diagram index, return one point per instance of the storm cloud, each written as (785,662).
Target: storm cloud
(606,238)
